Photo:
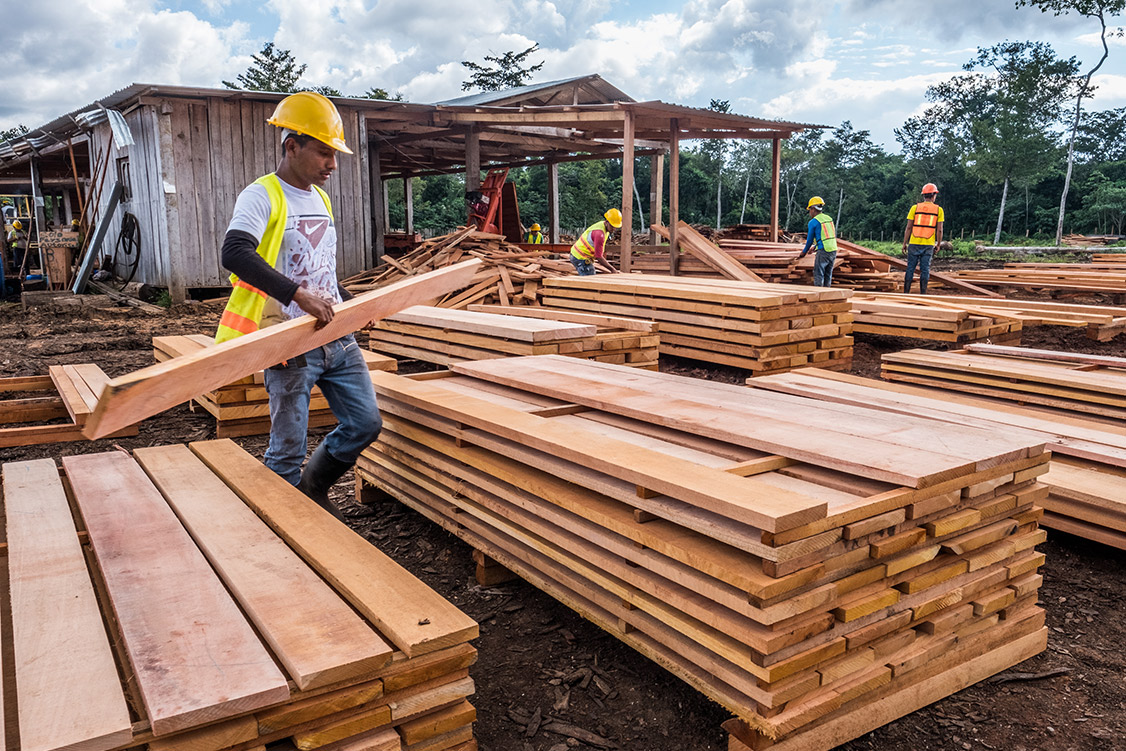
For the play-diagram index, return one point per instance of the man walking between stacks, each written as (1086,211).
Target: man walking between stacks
(592,243)
(281,249)
(922,236)
(823,232)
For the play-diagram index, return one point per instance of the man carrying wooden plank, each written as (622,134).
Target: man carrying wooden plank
(592,243)
(281,248)
(922,235)
(823,232)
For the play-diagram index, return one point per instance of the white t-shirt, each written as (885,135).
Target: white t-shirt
(308,248)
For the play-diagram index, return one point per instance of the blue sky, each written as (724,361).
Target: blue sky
(868,61)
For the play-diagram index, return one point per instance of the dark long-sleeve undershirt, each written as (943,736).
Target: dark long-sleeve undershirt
(240,257)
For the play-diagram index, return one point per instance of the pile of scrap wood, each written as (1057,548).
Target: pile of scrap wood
(508,274)
(239,614)
(1086,481)
(1104,278)
(241,408)
(1103,322)
(67,391)
(760,327)
(817,569)
(1088,384)
(1091,240)
(926,317)
(445,336)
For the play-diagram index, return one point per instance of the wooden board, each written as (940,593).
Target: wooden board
(321,641)
(151,390)
(507,327)
(195,657)
(70,695)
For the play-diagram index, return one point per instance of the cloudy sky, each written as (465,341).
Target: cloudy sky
(868,61)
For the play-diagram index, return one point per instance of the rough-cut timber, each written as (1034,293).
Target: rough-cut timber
(67,391)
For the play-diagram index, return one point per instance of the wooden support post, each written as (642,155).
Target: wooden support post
(68,212)
(168,233)
(674,193)
(408,204)
(656,194)
(626,241)
(553,202)
(472,160)
(775,186)
(377,201)
(386,206)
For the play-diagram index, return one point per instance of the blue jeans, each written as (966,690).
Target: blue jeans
(823,268)
(585,268)
(920,255)
(340,371)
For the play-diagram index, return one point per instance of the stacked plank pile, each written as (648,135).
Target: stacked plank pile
(1063,277)
(760,327)
(1075,383)
(242,408)
(929,318)
(1087,479)
(238,612)
(445,336)
(508,274)
(32,417)
(1102,322)
(1108,258)
(801,563)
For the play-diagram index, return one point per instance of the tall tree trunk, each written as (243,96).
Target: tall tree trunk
(718,191)
(640,212)
(746,189)
(1075,129)
(1001,213)
(840,207)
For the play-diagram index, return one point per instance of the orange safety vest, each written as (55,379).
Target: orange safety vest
(583,249)
(925,222)
(243,314)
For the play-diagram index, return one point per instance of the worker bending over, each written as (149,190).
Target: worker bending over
(823,232)
(535,237)
(922,236)
(281,248)
(592,243)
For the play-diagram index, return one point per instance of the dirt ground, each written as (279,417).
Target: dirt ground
(537,657)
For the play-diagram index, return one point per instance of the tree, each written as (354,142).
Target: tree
(12,134)
(508,73)
(376,92)
(1099,9)
(272,70)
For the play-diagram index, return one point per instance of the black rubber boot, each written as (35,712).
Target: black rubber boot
(320,474)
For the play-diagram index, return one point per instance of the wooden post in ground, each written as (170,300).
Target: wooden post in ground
(408,204)
(627,192)
(472,160)
(775,186)
(553,202)
(656,193)
(377,202)
(674,193)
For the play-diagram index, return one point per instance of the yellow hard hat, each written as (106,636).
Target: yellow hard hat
(311,114)
(815,201)
(17,224)
(535,228)
(75,223)
(614,217)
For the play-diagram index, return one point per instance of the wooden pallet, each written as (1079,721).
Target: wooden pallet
(239,613)
(916,318)
(1087,476)
(243,408)
(67,391)
(760,327)
(789,558)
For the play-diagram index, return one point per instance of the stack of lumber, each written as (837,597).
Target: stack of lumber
(445,336)
(1087,478)
(929,318)
(1091,240)
(798,562)
(508,274)
(201,602)
(1088,384)
(760,327)
(1109,258)
(242,408)
(32,416)
(1103,322)
(1063,277)
(744,232)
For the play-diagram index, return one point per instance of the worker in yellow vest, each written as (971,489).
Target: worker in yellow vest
(823,232)
(922,236)
(281,249)
(592,242)
(535,236)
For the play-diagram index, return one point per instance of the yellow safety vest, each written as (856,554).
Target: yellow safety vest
(535,238)
(243,313)
(583,249)
(828,233)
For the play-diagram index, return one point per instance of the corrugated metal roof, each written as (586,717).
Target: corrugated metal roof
(609,92)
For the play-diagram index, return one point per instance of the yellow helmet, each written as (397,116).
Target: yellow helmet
(311,114)
(17,224)
(535,228)
(75,223)
(614,217)
(815,201)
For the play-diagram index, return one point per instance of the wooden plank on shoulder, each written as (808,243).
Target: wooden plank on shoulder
(195,657)
(314,633)
(151,390)
(414,617)
(69,693)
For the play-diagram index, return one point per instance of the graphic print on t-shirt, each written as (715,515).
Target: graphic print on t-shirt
(310,245)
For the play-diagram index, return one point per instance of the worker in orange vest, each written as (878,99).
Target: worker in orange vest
(922,236)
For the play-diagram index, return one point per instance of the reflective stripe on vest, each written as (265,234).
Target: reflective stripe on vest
(925,221)
(583,249)
(828,233)
(243,314)
(535,238)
